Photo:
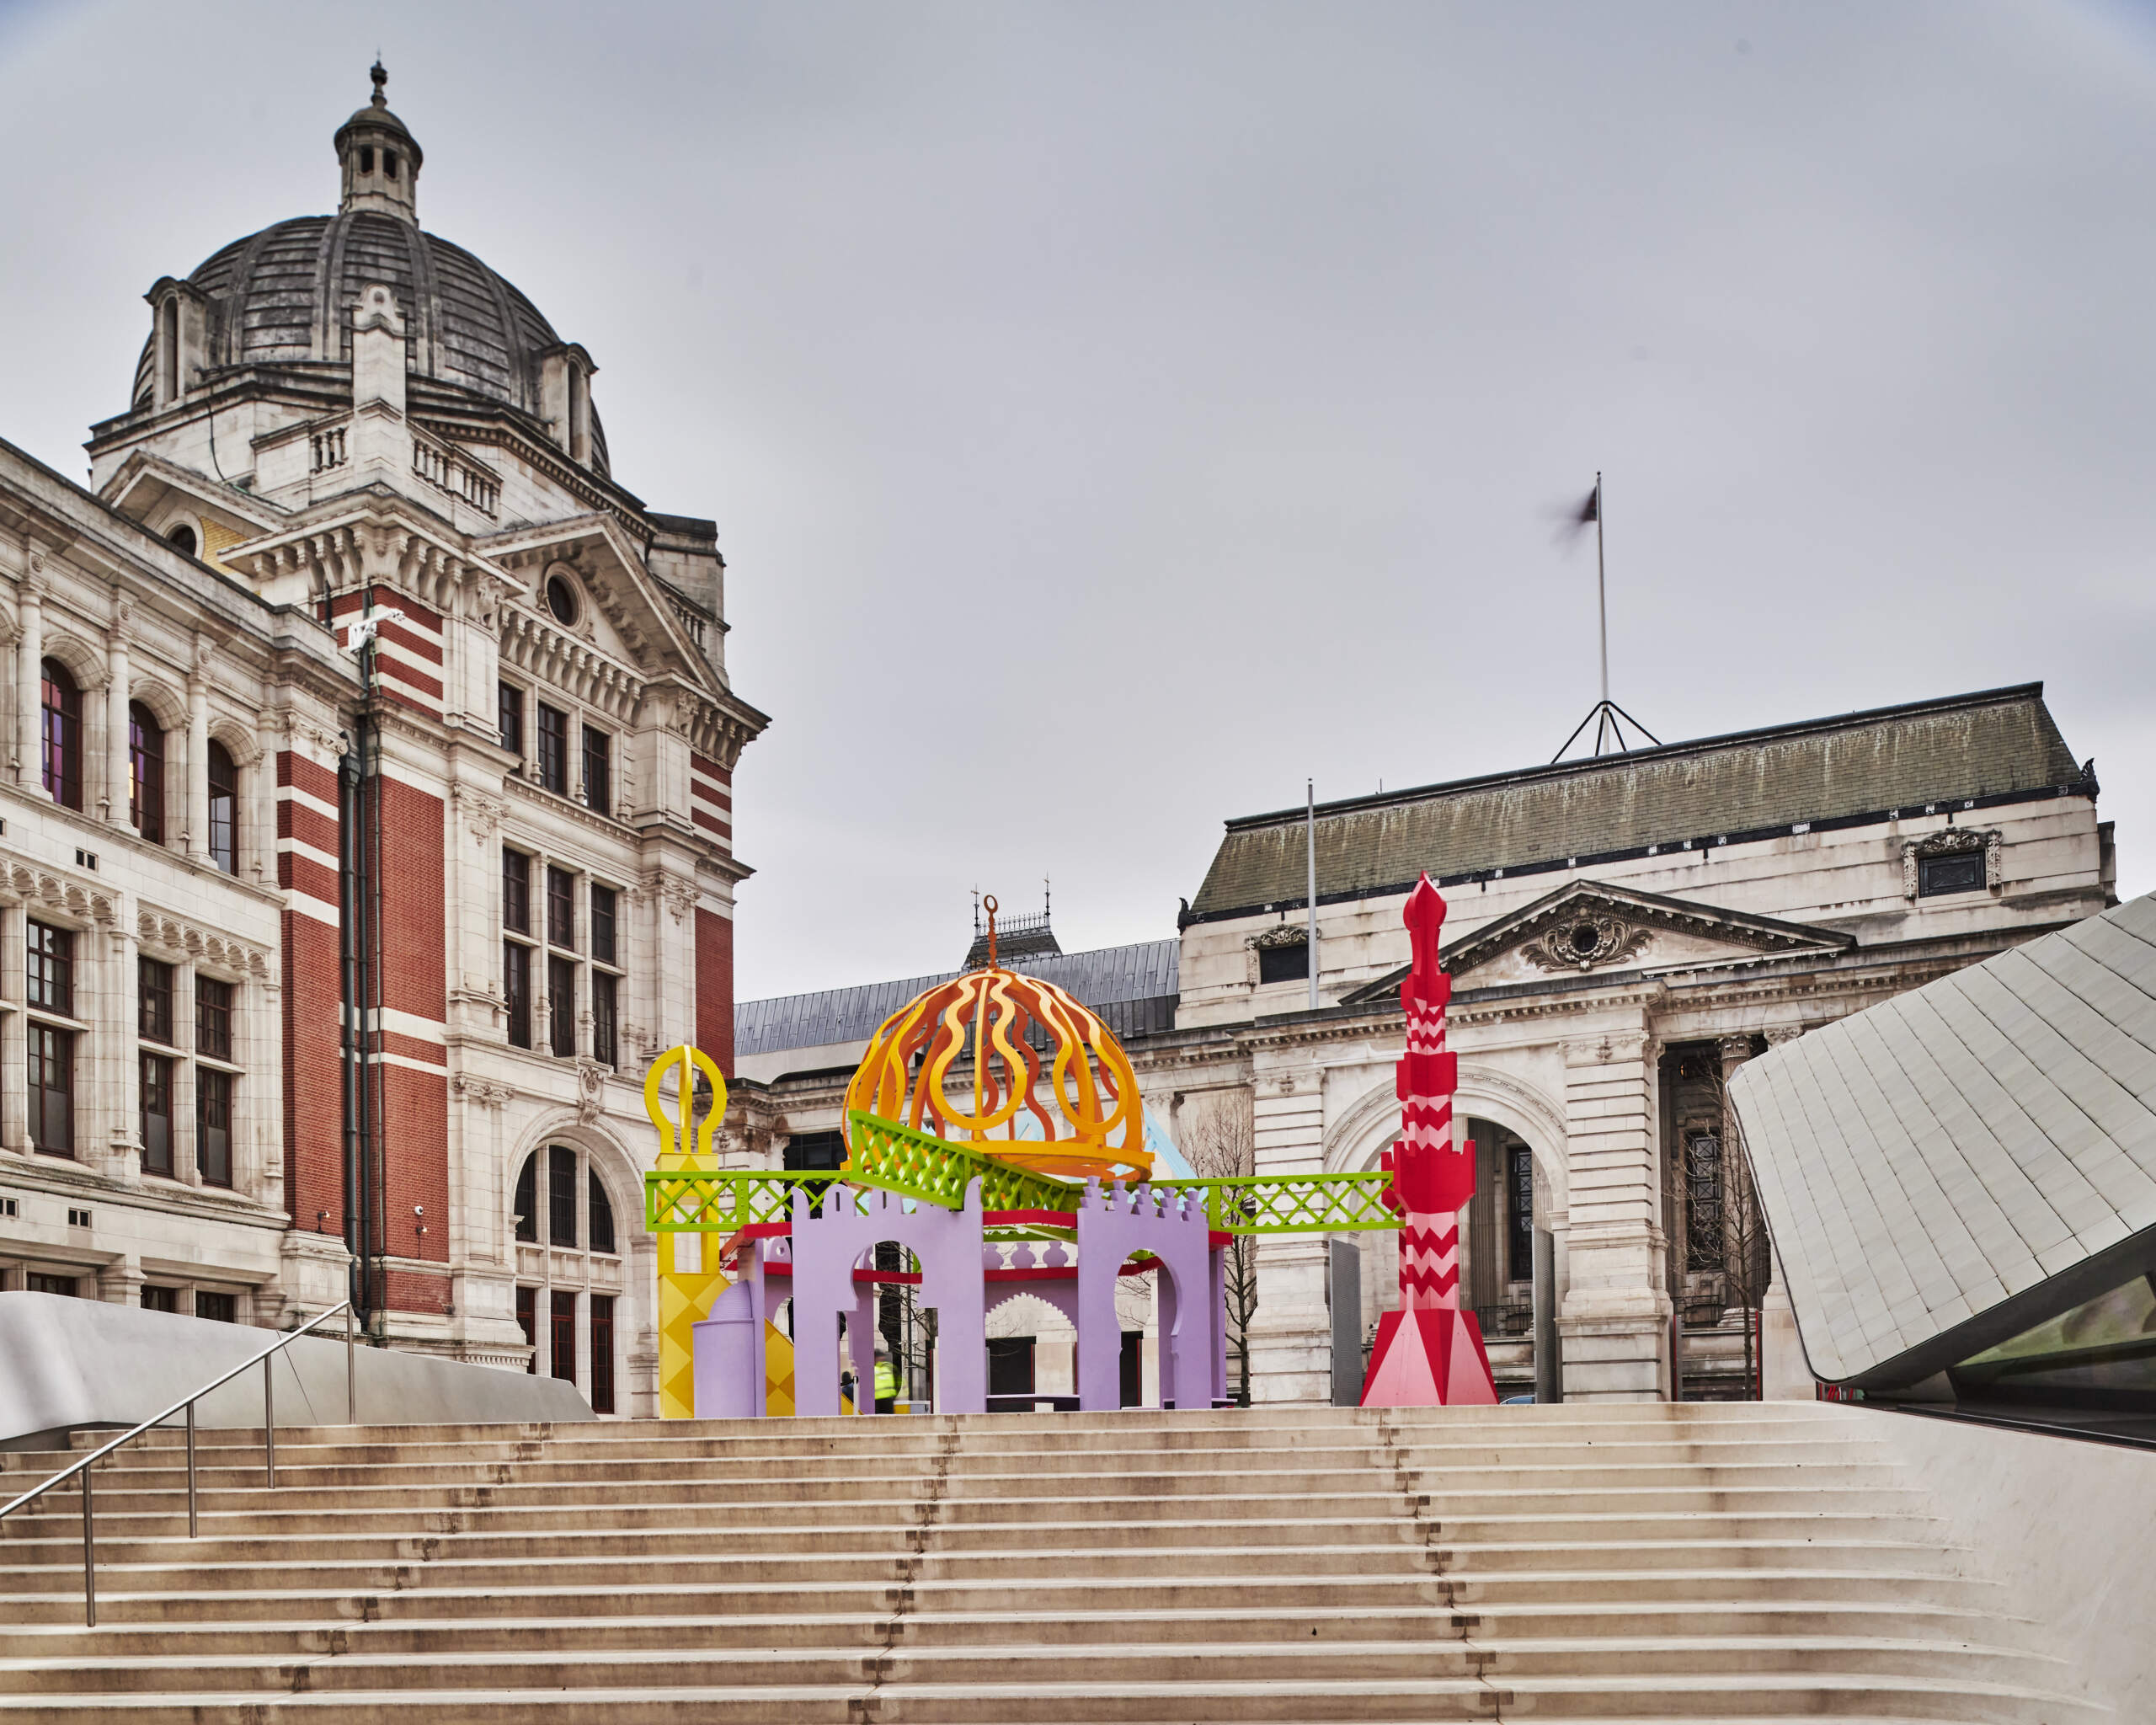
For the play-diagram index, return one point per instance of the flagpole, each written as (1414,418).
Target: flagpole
(1309,835)
(1602,604)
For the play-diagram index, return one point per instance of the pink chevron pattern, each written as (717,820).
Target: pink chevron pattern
(1436,1360)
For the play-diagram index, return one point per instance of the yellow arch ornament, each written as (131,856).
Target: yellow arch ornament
(689,1277)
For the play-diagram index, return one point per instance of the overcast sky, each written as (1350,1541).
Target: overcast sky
(1114,413)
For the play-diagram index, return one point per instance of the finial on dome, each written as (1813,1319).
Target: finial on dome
(378,157)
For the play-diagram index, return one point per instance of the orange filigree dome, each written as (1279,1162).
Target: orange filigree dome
(1071,1108)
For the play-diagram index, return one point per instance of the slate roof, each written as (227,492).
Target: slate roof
(1942,1171)
(1106,977)
(283,296)
(2000,744)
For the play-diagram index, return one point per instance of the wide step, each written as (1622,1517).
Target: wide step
(1611,1564)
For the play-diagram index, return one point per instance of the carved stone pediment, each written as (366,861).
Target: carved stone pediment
(1587,927)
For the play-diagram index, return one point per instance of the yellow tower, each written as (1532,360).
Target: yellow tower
(689,1278)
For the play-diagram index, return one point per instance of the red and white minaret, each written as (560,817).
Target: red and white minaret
(1429,1354)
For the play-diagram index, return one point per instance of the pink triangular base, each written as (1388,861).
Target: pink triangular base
(1426,1358)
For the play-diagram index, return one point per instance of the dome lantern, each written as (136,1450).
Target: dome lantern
(378,158)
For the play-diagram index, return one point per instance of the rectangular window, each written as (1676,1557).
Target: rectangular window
(527,1320)
(561,1195)
(218,1308)
(224,807)
(560,1005)
(598,771)
(601,1214)
(37,1282)
(157,1114)
(146,772)
(602,1354)
(153,1011)
(1956,872)
(50,967)
(812,1152)
(516,992)
(160,1299)
(62,736)
(553,750)
(52,1089)
(213,1126)
(516,890)
(561,909)
(1289,964)
(1519,1186)
(564,1327)
(213,1018)
(1705,1250)
(1010,1366)
(604,988)
(603,904)
(508,717)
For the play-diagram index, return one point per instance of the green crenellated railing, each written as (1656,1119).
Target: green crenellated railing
(895,1158)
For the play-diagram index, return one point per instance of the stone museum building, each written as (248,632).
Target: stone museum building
(367,815)
(1625,933)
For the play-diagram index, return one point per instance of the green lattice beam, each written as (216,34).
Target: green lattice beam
(1292,1204)
(896,1158)
(917,1165)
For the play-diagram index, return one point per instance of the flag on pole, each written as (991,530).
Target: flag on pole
(1590,512)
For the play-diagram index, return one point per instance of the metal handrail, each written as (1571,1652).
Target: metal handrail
(269,1439)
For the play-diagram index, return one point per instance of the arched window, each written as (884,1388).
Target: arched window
(224,809)
(169,354)
(602,1217)
(561,1195)
(63,736)
(527,1202)
(146,772)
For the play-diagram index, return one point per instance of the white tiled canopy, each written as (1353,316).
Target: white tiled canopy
(1924,1160)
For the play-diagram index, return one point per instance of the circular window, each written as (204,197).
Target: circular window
(561,599)
(1585,938)
(184,536)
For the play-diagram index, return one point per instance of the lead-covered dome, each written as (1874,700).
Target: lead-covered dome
(283,296)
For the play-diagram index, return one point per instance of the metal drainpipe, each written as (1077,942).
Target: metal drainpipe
(371,1074)
(348,775)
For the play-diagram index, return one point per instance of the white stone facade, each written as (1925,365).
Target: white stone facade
(545,697)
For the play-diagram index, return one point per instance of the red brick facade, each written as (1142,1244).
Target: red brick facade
(715,988)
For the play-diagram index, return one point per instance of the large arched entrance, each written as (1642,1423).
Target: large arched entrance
(570,1210)
(1519,1194)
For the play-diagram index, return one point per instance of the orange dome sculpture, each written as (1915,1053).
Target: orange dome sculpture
(1079,1095)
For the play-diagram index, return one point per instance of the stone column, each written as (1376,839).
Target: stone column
(14,1053)
(1290,1332)
(118,779)
(1614,1324)
(29,679)
(120,1283)
(198,754)
(118,1073)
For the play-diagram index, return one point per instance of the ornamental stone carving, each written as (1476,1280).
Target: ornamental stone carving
(591,1090)
(185,940)
(1952,842)
(67,897)
(477,1090)
(1586,940)
(481,812)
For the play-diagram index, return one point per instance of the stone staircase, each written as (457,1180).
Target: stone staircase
(1606,1563)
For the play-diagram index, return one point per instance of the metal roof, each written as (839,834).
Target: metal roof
(1999,743)
(1104,977)
(1944,1169)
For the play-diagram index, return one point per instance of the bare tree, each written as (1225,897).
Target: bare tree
(1219,1143)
